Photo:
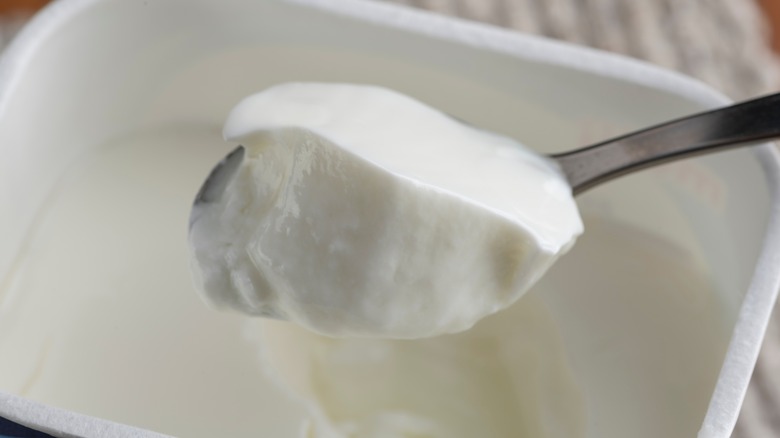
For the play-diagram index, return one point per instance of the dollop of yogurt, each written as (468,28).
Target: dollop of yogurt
(359,211)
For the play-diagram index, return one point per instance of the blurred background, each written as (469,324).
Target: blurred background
(730,44)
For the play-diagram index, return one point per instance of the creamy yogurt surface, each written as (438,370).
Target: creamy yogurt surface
(622,337)
(358,211)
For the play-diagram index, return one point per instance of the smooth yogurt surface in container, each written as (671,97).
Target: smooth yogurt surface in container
(359,211)
(126,338)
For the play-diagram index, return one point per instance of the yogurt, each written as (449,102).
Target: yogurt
(622,337)
(358,211)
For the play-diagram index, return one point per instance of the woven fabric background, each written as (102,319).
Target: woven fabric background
(722,42)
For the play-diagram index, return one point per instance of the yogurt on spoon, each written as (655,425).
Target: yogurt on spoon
(354,210)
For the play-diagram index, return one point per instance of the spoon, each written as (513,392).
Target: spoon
(741,124)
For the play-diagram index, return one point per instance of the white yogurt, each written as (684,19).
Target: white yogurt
(507,376)
(358,211)
(622,337)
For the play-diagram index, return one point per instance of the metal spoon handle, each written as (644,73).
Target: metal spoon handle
(742,124)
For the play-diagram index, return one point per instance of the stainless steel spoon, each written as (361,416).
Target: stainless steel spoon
(742,124)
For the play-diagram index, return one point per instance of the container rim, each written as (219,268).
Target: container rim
(755,310)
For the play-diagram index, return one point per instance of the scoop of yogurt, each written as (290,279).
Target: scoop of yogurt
(359,211)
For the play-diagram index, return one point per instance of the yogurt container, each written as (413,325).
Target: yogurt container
(657,315)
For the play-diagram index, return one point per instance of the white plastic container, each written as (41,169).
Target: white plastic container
(86,72)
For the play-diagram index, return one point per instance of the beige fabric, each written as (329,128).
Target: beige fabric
(719,41)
